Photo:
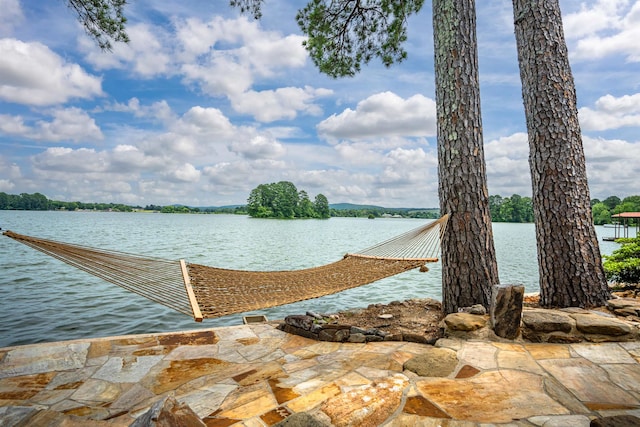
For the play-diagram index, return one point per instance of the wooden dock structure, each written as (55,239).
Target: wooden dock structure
(621,226)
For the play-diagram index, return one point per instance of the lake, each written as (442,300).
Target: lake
(43,299)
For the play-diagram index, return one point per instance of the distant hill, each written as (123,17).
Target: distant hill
(343,206)
(213,208)
(353,206)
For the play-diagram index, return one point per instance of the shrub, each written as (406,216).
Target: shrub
(623,265)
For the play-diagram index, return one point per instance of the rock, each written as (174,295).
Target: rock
(506,310)
(541,320)
(630,306)
(616,421)
(300,321)
(300,419)
(358,338)
(431,303)
(168,413)
(370,331)
(474,309)
(393,337)
(415,338)
(334,333)
(314,315)
(434,362)
(369,405)
(298,331)
(593,324)
(464,322)
(385,316)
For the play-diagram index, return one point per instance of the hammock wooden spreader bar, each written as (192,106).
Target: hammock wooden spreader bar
(209,292)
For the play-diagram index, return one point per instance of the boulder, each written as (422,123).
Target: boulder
(624,306)
(464,322)
(594,324)
(434,362)
(541,320)
(300,321)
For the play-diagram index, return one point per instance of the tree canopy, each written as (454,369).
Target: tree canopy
(511,209)
(283,200)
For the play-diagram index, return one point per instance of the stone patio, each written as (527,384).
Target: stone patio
(256,375)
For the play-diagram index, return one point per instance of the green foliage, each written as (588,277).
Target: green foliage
(611,202)
(623,265)
(372,212)
(511,209)
(282,200)
(520,209)
(601,214)
(344,34)
(24,201)
(602,211)
(103,20)
(253,7)
(321,206)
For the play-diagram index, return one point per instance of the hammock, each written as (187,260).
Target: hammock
(208,292)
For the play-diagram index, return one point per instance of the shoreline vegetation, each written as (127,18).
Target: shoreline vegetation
(516,208)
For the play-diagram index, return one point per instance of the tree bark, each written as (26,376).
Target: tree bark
(469,267)
(570,265)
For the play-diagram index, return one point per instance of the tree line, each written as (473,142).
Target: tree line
(39,202)
(603,210)
(520,209)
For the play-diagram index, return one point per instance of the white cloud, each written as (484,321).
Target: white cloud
(13,125)
(278,104)
(9,174)
(611,113)
(383,114)
(145,55)
(605,28)
(158,111)
(184,173)
(223,57)
(508,165)
(32,74)
(258,147)
(11,16)
(70,161)
(613,166)
(68,124)
(6,185)
(593,17)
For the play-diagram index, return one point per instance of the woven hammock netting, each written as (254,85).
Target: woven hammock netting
(209,292)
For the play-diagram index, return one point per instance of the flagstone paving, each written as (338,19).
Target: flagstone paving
(257,375)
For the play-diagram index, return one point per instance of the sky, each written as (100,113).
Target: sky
(204,104)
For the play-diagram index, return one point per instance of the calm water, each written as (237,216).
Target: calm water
(42,299)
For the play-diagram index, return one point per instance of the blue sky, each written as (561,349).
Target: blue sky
(204,104)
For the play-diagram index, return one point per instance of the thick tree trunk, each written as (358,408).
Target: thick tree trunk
(571,272)
(469,267)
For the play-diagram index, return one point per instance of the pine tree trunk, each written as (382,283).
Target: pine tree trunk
(469,267)
(570,265)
